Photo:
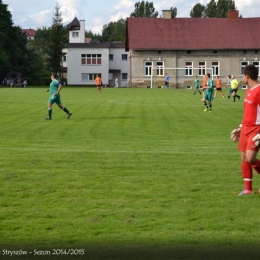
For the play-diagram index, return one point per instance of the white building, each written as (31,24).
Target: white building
(30,33)
(85,59)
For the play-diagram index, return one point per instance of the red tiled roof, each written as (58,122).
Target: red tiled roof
(88,40)
(29,32)
(192,34)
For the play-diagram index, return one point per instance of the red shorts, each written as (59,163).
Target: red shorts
(246,136)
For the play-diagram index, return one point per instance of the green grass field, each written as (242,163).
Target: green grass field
(133,174)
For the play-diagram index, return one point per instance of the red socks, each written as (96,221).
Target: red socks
(247,174)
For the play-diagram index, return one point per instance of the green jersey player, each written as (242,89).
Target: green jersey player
(55,88)
(229,87)
(209,93)
(196,85)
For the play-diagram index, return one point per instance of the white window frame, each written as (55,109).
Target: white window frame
(124,76)
(159,68)
(256,64)
(202,68)
(64,58)
(124,57)
(148,66)
(215,67)
(75,34)
(91,59)
(89,76)
(243,63)
(189,68)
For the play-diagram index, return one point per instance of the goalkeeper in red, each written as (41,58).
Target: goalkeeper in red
(55,88)
(248,132)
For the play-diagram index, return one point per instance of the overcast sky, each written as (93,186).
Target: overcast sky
(96,13)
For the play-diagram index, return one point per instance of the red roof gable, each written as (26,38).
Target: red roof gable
(192,34)
(29,32)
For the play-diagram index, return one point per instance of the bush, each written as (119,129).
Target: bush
(41,78)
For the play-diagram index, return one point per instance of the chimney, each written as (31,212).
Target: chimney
(166,14)
(233,14)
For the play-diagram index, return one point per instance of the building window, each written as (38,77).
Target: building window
(124,76)
(75,34)
(256,63)
(64,58)
(215,67)
(202,68)
(89,76)
(91,59)
(242,65)
(111,56)
(148,68)
(159,68)
(188,70)
(124,56)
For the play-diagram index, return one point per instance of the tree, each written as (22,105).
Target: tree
(93,36)
(41,45)
(114,31)
(211,9)
(57,41)
(173,12)
(5,40)
(217,9)
(15,52)
(223,6)
(144,9)
(197,11)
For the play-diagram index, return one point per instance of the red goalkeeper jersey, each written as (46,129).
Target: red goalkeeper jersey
(252,107)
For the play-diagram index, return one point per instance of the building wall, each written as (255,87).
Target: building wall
(76,69)
(81,37)
(229,63)
(118,66)
(114,68)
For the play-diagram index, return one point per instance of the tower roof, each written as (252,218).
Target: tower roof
(74,25)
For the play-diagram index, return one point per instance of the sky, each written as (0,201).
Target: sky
(96,13)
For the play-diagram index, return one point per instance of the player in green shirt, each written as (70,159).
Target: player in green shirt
(55,88)
(196,85)
(229,87)
(209,94)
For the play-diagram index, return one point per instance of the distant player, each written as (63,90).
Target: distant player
(98,83)
(55,88)
(234,87)
(204,86)
(196,85)
(218,87)
(208,94)
(167,80)
(229,87)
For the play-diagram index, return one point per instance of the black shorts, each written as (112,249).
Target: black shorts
(219,89)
